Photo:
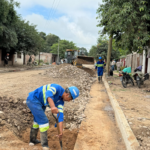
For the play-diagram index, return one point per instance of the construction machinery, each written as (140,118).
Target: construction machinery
(78,58)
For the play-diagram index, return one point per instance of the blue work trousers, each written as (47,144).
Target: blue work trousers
(100,72)
(38,110)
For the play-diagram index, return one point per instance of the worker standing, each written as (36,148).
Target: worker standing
(100,68)
(53,96)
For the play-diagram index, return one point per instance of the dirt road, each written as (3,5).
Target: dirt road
(99,130)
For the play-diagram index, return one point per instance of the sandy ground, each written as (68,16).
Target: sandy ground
(135,104)
(99,130)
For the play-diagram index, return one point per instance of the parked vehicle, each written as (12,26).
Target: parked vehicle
(126,79)
(139,77)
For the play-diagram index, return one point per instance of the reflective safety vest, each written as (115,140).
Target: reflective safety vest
(100,65)
(52,89)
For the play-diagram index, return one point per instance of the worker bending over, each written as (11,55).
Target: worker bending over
(100,68)
(53,96)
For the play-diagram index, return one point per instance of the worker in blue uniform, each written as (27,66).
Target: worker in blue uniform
(53,96)
(100,68)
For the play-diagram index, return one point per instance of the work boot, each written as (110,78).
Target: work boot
(44,141)
(33,136)
(99,79)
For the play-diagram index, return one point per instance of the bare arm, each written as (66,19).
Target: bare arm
(54,109)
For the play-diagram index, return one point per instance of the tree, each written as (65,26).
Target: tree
(8,18)
(83,49)
(63,45)
(43,35)
(93,52)
(128,20)
(101,49)
(52,39)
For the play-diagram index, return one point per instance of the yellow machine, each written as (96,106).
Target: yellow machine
(77,58)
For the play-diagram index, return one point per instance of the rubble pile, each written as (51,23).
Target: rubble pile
(67,71)
(74,111)
(143,137)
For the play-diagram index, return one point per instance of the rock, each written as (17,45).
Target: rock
(18,128)
(15,101)
(11,100)
(24,102)
(2,115)
(67,126)
(130,123)
(2,123)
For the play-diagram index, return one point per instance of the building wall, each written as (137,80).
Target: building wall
(46,57)
(144,61)
(18,61)
(129,60)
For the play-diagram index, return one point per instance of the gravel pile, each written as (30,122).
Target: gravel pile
(74,111)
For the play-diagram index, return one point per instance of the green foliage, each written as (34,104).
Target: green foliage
(51,39)
(93,52)
(128,21)
(101,50)
(8,18)
(83,49)
(63,45)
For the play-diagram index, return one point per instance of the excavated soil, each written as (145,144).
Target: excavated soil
(81,61)
(90,71)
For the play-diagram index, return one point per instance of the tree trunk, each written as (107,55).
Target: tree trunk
(39,57)
(24,58)
(109,55)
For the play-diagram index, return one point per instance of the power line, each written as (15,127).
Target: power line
(56,8)
(50,11)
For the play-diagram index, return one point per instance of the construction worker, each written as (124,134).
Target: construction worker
(52,95)
(100,68)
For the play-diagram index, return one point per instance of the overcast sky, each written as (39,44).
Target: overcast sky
(73,20)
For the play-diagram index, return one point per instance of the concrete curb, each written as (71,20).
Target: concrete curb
(127,134)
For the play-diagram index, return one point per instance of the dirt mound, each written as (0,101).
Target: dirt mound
(15,114)
(81,61)
(90,71)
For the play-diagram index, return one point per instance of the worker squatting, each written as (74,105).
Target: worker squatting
(100,68)
(53,96)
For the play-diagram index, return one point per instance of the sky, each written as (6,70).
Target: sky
(73,20)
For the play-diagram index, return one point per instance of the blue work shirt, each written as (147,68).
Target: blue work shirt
(100,65)
(53,91)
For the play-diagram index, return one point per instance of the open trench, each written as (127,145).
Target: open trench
(16,120)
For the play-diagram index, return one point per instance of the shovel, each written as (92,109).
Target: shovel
(60,141)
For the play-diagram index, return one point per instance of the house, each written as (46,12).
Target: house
(20,59)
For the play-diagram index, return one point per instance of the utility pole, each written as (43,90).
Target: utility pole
(109,54)
(58,50)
